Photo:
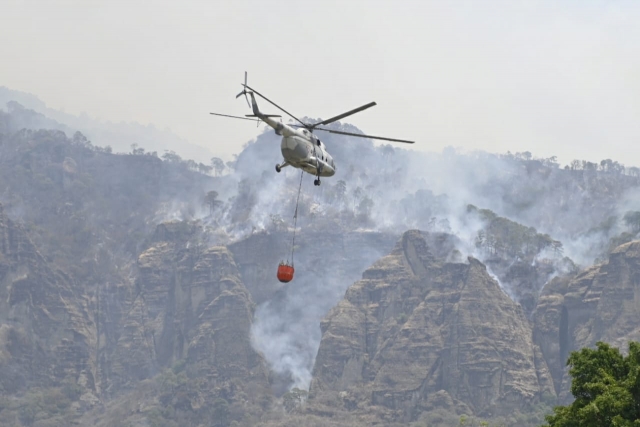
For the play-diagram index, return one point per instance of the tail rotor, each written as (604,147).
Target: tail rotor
(244,90)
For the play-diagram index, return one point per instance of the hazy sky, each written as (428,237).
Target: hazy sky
(552,77)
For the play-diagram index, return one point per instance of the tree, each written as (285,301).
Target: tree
(526,155)
(294,399)
(606,387)
(576,165)
(632,220)
(136,151)
(191,164)
(211,200)
(202,168)
(557,248)
(357,195)
(218,165)
(171,156)
(220,412)
(480,239)
(78,138)
(365,206)
(551,162)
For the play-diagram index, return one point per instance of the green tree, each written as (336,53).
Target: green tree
(606,387)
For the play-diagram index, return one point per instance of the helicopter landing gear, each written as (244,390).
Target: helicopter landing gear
(279,167)
(316,182)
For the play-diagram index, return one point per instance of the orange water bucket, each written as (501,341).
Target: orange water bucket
(285,272)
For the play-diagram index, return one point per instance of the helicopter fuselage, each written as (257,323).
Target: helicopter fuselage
(308,153)
(300,148)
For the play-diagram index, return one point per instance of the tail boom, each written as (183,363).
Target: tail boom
(280,128)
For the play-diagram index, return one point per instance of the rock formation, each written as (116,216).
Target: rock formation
(189,303)
(600,304)
(46,333)
(417,330)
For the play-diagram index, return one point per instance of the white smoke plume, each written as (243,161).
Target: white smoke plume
(408,189)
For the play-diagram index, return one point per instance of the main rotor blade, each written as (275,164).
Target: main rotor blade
(343,115)
(365,136)
(234,117)
(276,105)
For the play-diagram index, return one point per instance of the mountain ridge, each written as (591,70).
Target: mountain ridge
(167,276)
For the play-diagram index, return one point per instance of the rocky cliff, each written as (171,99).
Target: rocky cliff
(183,306)
(47,335)
(189,306)
(417,333)
(602,303)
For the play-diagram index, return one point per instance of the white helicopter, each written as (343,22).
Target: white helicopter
(300,147)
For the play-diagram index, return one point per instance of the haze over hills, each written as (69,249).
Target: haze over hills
(119,136)
(428,285)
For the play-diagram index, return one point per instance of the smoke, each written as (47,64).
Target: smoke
(405,189)
(355,217)
(286,328)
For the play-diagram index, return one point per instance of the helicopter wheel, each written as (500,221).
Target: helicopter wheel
(278,168)
(316,182)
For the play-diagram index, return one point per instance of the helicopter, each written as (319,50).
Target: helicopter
(300,147)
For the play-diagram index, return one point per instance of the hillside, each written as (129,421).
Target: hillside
(119,136)
(140,289)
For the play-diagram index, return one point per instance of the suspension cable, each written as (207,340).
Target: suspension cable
(295,218)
